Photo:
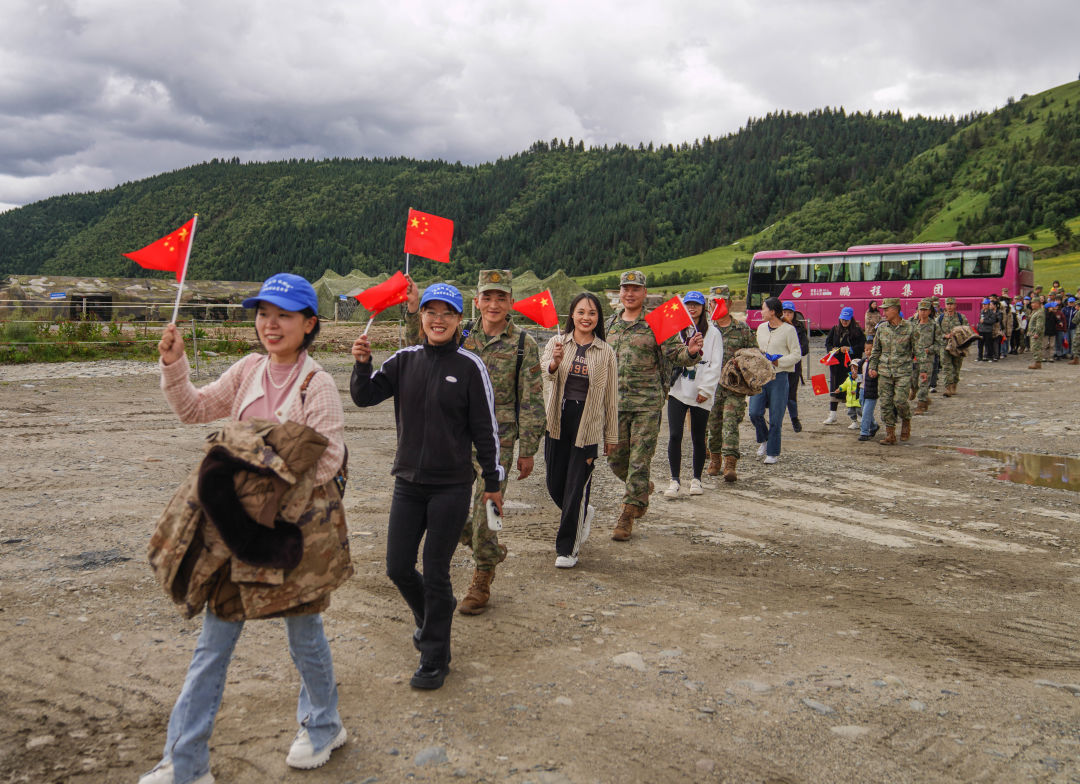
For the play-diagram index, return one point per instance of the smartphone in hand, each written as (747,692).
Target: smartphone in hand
(494,519)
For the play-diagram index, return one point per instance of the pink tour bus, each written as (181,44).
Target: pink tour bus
(820,284)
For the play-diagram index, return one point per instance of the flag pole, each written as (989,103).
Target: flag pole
(183,274)
(370,321)
(406,263)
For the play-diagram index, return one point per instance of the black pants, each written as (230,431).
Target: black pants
(699,423)
(837,375)
(987,346)
(569,476)
(440,512)
(793,380)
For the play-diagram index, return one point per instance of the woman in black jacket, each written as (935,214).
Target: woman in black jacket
(444,405)
(845,337)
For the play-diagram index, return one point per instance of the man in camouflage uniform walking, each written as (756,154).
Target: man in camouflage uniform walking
(1037,333)
(949,320)
(728,406)
(512,360)
(890,363)
(642,363)
(927,346)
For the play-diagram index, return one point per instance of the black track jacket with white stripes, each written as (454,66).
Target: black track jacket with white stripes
(444,405)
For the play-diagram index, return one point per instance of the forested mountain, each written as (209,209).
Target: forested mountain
(825,179)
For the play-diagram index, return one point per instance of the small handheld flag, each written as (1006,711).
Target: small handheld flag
(540,308)
(376,299)
(170,254)
(830,359)
(429,236)
(819,384)
(669,319)
(720,310)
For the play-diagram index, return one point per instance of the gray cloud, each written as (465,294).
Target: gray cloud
(96,93)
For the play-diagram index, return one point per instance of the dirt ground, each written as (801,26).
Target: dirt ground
(854,613)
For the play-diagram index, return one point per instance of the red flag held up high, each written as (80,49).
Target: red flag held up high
(540,308)
(429,236)
(669,319)
(720,310)
(819,384)
(390,292)
(168,254)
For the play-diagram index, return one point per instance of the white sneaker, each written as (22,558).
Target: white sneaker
(854,425)
(695,487)
(163,774)
(566,561)
(303,756)
(770,460)
(672,488)
(761,450)
(830,419)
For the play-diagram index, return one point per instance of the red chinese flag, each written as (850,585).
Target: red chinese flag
(819,384)
(847,357)
(721,309)
(829,359)
(540,308)
(428,236)
(167,254)
(390,292)
(669,319)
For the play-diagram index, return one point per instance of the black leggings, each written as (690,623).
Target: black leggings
(569,476)
(699,422)
(439,511)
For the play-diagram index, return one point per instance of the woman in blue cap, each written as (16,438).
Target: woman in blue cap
(444,405)
(989,318)
(692,390)
(283,385)
(845,342)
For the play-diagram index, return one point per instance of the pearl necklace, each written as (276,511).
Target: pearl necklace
(288,379)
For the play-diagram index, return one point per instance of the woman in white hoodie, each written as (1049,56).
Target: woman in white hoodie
(779,342)
(692,390)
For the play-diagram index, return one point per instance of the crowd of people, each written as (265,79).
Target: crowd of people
(258,530)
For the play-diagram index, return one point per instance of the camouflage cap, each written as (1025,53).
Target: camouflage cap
(926,304)
(632,278)
(494,280)
(722,292)
(890,302)
(950,301)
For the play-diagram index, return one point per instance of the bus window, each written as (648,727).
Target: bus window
(837,271)
(821,272)
(891,270)
(791,272)
(911,269)
(871,268)
(953,267)
(984,263)
(1027,260)
(933,266)
(854,270)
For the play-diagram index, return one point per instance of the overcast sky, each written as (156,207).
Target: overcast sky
(98,92)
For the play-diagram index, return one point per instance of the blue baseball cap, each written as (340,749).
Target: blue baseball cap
(287,291)
(693,298)
(443,292)
(986,301)
(847,313)
(1049,304)
(1071,299)
(1027,299)
(788,305)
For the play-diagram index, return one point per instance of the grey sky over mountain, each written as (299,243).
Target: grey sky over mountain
(94,93)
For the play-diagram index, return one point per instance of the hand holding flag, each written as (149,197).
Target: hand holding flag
(540,308)
(669,319)
(378,298)
(171,254)
(429,236)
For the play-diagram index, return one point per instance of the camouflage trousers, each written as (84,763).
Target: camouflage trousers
(631,458)
(476,534)
(893,398)
(724,420)
(1040,347)
(951,365)
(922,388)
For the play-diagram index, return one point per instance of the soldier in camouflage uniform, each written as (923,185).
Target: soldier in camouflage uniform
(512,360)
(927,346)
(1037,332)
(949,320)
(890,363)
(641,394)
(728,406)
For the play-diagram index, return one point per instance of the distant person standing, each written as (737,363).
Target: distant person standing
(890,363)
(728,406)
(641,394)
(845,342)
(988,323)
(868,394)
(777,340)
(795,319)
(1037,333)
(951,365)
(928,345)
(871,318)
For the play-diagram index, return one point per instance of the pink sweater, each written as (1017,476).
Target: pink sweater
(242,384)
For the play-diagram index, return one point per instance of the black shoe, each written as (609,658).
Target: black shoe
(874,431)
(429,676)
(933,389)
(796,425)
(864,437)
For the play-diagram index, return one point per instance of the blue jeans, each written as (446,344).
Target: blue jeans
(774,397)
(187,743)
(868,407)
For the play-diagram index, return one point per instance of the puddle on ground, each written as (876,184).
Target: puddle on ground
(1025,468)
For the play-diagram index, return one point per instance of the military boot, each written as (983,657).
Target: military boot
(715,462)
(1036,365)
(923,407)
(475,601)
(729,468)
(911,393)
(890,435)
(905,429)
(950,390)
(625,524)
(1074,361)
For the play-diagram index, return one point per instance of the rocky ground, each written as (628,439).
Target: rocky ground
(853,613)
